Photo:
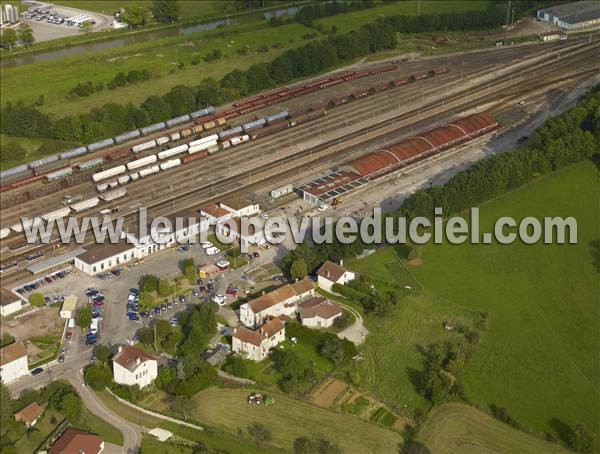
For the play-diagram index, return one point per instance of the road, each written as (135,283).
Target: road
(132,434)
(357,332)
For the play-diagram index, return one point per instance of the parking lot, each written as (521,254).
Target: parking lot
(53,25)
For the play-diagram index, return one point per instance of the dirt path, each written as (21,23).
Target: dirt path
(355,333)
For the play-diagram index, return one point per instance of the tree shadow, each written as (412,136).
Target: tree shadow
(562,429)
(415,376)
(595,253)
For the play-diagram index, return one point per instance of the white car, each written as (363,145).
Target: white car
(265,216)
(206,245)
(322,207)
(212,251)
(219,299)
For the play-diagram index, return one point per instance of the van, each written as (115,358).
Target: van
(94,326)
(71,323)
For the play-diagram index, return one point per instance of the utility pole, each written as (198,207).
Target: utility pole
(155,348)
(507,21)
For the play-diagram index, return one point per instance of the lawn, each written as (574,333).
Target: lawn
(539,356)
(456,427)
(189,9)
(288,419)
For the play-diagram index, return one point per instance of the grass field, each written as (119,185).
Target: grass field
(188,9)
(455,427)
(538,357)
(288,419)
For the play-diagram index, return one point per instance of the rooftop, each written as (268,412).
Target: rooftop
(575,12)
(319,307)
(74,441)
(12,352)
(7,297)
(70,303)
(280,294)
(101,251)
(248,336)
(214,210)
(237,203)
(128,357)
(271,327)
(331,271)
(29,414)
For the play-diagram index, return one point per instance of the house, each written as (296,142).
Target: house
(9,303)
(331,273)
(573,15)
(239,207)
(319,312)
(213,213)
(133,366)
(74,441)
(255,345)
(30,414)
(68,308)
(13,362)
(281,301)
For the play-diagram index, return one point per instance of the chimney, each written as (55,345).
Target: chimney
(138,361)
(120,348)
(341,262)
(328,274)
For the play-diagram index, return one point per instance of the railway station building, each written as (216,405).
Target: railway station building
(572,16)
(9,303)
(99,258)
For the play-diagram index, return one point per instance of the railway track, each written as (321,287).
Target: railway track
(350,113)
(286,166)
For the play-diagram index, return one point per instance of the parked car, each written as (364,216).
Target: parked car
(157,310)
(163,307)
(134,291)
(219,299)
(69,334)
(206,244)
(133,316)
(232,291)
(212,250)
(61,358)
(255,255)
(37,370)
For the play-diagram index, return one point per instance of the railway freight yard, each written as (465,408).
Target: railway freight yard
(312,337)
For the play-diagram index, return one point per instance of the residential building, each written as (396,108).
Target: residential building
(68,308)
(572,16)
(331,273)
(13,362)
(281,301)
(133,366)
(255,345)
(239,207)
(74,441)
(30,414)
(9,303)
(319,312)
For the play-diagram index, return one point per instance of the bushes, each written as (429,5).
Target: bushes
(236,366)
(37,300)
(327,344)
(83,319)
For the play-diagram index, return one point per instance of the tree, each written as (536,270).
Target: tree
(83,319)
(165,11)
(98,377)
(162,328)
(12,151)
(298,270)
(332,348)
(70,406)
(136,16)
(25,34)
(164,287)
(236,366)
(319,444)
(146,336)
(8,38)
(165,378)
(148,283)
(182,406)
(37,299)
(259,433)
(188,267)
(103,353)
(580,440)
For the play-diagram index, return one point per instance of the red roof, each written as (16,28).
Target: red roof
(74,441)
(403,153)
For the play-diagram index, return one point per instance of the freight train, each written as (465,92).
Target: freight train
(56,167)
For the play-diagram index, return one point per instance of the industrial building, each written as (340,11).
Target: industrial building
(572,16)
(358,172)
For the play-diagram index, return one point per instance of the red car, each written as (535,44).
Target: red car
(255,255)
(68,335)
(232,291)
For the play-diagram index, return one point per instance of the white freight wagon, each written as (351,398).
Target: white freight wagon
(114,195)
(143,146)
(149,171)
(141,162)
(173,151)
(170,164)
(85,205)
(108,173)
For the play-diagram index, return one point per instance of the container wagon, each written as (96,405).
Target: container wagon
(193,157)
(87,165)
(58,174)
(282,191)
(116,155)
